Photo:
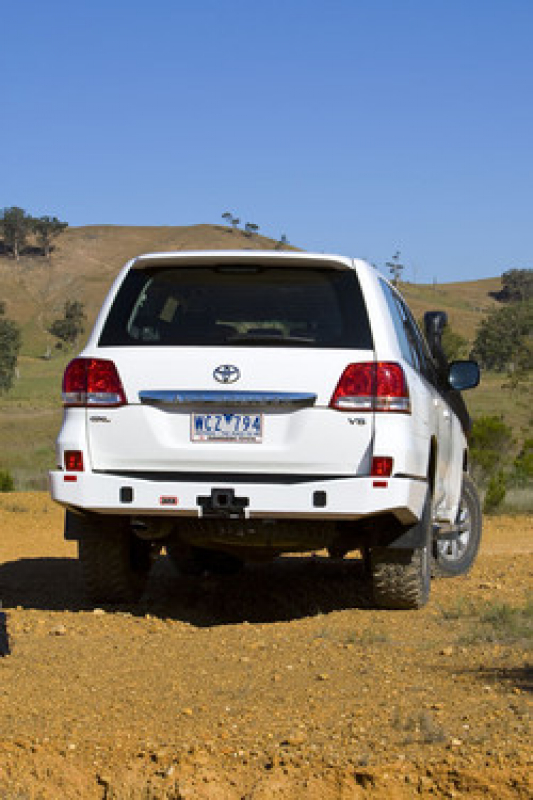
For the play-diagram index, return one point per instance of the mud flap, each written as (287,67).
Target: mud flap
(417,535)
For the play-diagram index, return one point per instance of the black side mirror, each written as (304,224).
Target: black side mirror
(464,375)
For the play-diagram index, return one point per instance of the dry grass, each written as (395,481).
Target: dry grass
(87,259)
(493,621)
(465,303)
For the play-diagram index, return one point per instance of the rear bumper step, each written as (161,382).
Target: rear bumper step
(344,498)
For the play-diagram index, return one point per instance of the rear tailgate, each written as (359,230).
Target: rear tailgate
(296,437)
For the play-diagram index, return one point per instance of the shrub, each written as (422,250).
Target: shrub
(6,481)
(69,327)
(504,622)
(9,350)
(490,442)
(523,465)
(503,339)
(495,492)
(454,345)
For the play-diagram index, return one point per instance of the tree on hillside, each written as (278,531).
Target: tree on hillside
(454,345)
(47,229)
(228,216)
(504,339)
(15,225)
(517,285)
(282,242)
(395,267)
(235,221)
(9,350)
(70,326)
(251,228)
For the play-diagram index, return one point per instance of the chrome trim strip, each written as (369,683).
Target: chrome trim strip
(169,397)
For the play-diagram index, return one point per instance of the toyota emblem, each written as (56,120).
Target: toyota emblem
(227,373)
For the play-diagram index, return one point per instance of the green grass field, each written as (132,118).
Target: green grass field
(30,417)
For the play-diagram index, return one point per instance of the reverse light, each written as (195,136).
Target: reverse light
(372,386)
(92,382)
(73,460)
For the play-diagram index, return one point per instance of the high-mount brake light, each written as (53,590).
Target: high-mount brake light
(372,386)
(92,382)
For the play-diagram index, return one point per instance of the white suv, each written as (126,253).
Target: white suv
(235,405)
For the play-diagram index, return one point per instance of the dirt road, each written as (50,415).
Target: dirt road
(281,682)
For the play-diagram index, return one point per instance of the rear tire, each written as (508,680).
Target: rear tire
(401,578)
(453,557)
(115,566)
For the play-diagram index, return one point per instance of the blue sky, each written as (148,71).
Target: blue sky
(353,126)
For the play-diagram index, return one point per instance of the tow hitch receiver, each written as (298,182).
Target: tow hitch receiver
(223,503)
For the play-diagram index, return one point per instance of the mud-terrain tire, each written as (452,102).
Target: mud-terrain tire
(114,566)
(401,578)
(453,557)
(198,560)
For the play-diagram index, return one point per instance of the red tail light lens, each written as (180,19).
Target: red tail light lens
(103,384)
(372,386)
(355,390)
(73,460)
(381,467)
(92,382)
(392,393)
(75,383)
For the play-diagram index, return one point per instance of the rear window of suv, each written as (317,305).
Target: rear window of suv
(239,305)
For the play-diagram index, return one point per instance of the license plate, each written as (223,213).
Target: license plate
(226,427)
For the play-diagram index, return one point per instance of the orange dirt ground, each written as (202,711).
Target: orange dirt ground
(281,682)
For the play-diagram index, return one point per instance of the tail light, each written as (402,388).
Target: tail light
(372,386)
(73,460)
(381,467)
(92,382)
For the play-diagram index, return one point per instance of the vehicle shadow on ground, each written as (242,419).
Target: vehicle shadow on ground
(51,584)
(4,637)
(519,677)
(289,588)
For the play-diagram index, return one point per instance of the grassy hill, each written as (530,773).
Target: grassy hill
(84,263)
(82,267)
(87,259)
